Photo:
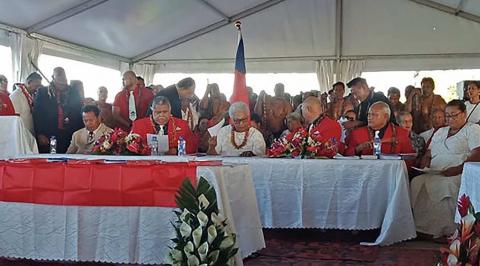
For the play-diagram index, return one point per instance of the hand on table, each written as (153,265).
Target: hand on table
(43,140)
(247,154)
(364,146)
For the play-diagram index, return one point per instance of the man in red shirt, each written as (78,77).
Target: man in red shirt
(394,138)
(161,122)
(6,106)
(132,102)
(319,123)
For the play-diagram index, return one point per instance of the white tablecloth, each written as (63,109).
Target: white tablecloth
(123,234)
(15,139)
(334,194)
(470,186)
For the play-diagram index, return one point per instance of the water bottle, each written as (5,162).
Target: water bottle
(377,145)
(53,145)
(181,146)
(154,146)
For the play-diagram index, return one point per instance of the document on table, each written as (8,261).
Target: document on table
(216,128)
(162,141)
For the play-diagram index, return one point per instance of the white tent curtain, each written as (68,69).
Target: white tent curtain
(23,49)
(146,71)
(331,71)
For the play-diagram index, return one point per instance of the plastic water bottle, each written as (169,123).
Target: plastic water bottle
(53,145)
(377,145)
(154,146)
(181,146)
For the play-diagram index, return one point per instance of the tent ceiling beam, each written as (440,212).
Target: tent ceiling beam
(214,8)
(315,58)
(207,29)
(448,9)
(459,6)
(338,28)
(84,6)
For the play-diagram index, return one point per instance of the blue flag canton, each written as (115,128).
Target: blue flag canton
(240,58)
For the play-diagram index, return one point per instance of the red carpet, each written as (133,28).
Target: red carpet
(316,247)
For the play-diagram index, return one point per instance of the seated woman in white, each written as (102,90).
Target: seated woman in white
(434,196)
(239,139)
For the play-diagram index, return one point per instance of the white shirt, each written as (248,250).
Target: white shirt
(452,151)
(22,108)
(255,142)
(426,135)
(475,116)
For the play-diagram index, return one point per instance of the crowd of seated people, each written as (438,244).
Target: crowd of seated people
(440,135)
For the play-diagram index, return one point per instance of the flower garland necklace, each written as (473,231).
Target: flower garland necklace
(244,142)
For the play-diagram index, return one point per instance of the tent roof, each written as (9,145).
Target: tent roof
(279,35)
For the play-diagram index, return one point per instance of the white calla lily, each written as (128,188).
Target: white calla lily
(203,202)
(203,251)
(227,242)
(468,221)
(197,236)
(217,219)
(188,249)
(202,218)
(213,256)
(185,230)
(452,260)
(175,255)
(183,216)
(455,248)
(212,233)
(193,261)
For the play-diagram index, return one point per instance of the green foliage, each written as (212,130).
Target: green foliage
(202,235)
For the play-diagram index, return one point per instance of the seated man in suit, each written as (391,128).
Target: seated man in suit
(161,122)
(84,139)
(394,138)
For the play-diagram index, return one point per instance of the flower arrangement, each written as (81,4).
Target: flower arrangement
(465,243)
(202,235)
(119,142)
(303,144)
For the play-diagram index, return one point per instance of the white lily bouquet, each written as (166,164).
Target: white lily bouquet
(203,237)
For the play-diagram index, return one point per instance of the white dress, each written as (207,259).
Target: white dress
(255,142)
(434,197)
(20,103)
(474,116)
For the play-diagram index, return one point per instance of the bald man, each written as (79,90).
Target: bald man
(394,139)
(57,112)
(314,114)
(132,102)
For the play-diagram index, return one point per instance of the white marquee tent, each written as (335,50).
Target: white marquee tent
(337,39)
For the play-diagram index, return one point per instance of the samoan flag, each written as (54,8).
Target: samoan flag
(240,92)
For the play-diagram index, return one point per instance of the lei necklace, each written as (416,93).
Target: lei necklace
(244,142)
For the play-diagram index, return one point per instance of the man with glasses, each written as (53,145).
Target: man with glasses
(238,139)
(162,123)
(394,139)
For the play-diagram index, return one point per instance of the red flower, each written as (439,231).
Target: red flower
(463,205)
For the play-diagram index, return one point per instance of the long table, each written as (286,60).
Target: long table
(123,234)
(334,194)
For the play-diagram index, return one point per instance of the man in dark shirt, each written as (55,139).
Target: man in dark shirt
(57,112)
(362,92)
(184,89)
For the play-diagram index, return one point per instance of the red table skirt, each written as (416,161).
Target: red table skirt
(93,183)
